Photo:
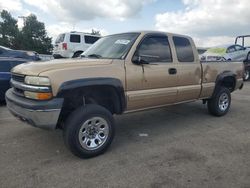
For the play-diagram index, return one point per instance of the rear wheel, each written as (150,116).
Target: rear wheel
(77,54)
(246,75)
(220,103)
(89,131)
(248,57)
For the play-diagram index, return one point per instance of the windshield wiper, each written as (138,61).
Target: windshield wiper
(95,55)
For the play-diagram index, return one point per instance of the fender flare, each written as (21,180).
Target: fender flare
(101,81)
(221,77)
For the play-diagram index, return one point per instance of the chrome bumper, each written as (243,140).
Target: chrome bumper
(43,115)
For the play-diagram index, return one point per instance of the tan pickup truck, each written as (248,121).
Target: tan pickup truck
(120,73)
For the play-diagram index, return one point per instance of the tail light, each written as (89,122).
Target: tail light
(64,46)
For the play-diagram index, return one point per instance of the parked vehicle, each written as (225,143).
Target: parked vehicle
(244,40)
(73,44)
(7,52)
(6,64)
(201,51)
(226,53)
(120,73)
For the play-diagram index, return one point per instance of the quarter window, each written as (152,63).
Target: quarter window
(75,38)
(90,39)
(60,38)
(184,49)
(155,49)
(238,47)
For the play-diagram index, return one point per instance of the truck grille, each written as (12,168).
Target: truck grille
(18,77)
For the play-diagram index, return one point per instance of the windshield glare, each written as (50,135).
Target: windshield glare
(111,47)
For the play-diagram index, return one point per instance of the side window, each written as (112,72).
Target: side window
(90,39)
(238,47)
(60,38)
(230,49)
(5,66)
(75,38)
(155,49)
(184,49)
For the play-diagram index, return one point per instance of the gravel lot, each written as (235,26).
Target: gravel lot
(179,146)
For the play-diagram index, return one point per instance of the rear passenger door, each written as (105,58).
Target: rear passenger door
(75,42)
(188,69)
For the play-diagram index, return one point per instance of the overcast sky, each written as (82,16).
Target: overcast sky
(209,22)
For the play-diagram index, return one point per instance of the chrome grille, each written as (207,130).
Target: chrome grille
(18,77)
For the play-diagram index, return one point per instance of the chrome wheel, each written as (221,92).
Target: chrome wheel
(93,133)
(223,102)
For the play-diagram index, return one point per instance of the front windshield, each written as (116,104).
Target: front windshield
(111,47)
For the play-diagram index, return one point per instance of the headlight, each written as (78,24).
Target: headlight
(39,81)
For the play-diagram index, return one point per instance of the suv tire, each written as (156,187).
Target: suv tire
(77,54)
(89,131)
(220,103)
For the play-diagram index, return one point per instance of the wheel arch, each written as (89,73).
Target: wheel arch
(76,52)
(94,90)
(226,79)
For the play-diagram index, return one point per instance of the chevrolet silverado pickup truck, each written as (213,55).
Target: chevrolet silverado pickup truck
(120,73)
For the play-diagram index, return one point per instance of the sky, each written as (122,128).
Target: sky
(210,23)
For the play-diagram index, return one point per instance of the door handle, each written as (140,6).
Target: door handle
(172,71)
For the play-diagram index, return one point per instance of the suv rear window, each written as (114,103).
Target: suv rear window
(184,49)
(75,38)
(90,39)
(60,38)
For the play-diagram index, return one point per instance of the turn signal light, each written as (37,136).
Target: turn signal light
(38,96)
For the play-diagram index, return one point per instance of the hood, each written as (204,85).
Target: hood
(35,68)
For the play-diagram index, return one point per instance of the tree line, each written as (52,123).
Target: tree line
(32,36)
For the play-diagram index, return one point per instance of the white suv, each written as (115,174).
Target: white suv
(73,44)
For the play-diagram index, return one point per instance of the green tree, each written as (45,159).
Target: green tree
(8,30)
(34,36)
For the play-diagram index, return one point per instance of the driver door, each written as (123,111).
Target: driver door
(152,82)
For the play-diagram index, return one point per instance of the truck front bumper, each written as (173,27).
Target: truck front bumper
(42,114)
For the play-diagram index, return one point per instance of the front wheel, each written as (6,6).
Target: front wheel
(89,131)
(220,103)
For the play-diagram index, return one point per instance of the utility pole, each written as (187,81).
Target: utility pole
(23,18)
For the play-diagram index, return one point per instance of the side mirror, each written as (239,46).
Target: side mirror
(140,59)
(137,59)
